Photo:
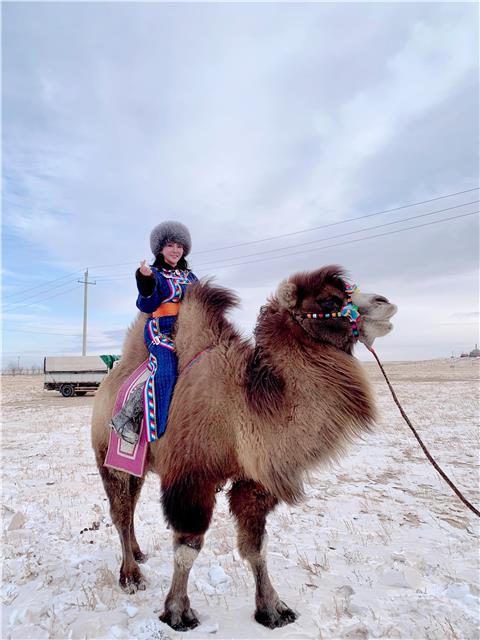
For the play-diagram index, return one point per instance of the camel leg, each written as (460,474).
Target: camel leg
(250,503)
(188,507)
(136,485)
(177,611)
(118,488)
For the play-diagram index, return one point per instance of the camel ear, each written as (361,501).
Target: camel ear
(287,294)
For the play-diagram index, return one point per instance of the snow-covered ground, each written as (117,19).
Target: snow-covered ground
(381,548)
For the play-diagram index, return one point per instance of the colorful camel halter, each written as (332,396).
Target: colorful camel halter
(349,310)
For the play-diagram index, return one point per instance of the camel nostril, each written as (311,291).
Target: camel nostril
(380,299)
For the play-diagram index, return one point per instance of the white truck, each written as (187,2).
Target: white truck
(75,375)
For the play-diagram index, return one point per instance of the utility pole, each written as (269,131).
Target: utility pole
(85,303)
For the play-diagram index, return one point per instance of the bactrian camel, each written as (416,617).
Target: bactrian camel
(260,414)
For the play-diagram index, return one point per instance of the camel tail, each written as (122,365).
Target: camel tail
(202,321)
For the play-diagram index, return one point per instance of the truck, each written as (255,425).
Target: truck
(76,375)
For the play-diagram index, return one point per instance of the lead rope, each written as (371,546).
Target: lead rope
(424,448)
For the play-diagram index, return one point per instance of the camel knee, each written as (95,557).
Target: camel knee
(122,519)
(121,512)
(135,487)
(252,547)
(185,556)
(186,549)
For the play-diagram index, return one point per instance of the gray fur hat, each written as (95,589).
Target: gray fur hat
(170,231)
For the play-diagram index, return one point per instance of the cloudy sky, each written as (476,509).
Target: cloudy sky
(277,128)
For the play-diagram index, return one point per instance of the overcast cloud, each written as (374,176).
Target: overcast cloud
(245,121)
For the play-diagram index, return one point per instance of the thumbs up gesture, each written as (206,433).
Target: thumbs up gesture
(145,269)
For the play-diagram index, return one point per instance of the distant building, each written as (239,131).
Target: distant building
(475,353)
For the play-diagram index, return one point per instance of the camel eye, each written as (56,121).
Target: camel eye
(331,304)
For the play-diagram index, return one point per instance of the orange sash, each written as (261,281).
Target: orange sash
(166,309)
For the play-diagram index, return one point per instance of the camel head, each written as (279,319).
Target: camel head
(375,313)
(320,306)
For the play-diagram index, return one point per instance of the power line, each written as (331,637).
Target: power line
(44,333)
(293,233)
(333,224)
(30,300)
(40,286)
(221,262)
(339,244)
(342,235)
(23,353)
(26,304)
(281,256)
(41,293)
(323,226)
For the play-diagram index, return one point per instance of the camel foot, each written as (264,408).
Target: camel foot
(280,616)
(133,581)
(185,621)
(140,557)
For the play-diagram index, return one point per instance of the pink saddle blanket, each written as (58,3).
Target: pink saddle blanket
(122,455)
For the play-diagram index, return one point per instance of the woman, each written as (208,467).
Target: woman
(161,288)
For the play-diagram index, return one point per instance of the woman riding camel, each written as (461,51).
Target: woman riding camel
(161,287)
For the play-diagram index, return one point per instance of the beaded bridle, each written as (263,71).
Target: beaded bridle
(349,310)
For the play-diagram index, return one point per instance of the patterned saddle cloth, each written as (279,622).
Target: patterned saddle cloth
(122,455)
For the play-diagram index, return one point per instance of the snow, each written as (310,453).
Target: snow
(381,548)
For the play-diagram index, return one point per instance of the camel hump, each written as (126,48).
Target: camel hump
(215,300)
(202,320)
(264,384)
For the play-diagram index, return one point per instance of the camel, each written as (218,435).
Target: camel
(260,414)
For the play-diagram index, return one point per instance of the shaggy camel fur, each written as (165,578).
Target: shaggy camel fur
(259,415)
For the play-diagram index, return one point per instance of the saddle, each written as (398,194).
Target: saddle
(129,408)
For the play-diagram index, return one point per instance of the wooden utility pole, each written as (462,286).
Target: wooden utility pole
(85,306)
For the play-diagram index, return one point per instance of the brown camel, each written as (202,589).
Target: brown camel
(260,415)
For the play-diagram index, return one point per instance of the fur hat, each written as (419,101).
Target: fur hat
(170,231)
